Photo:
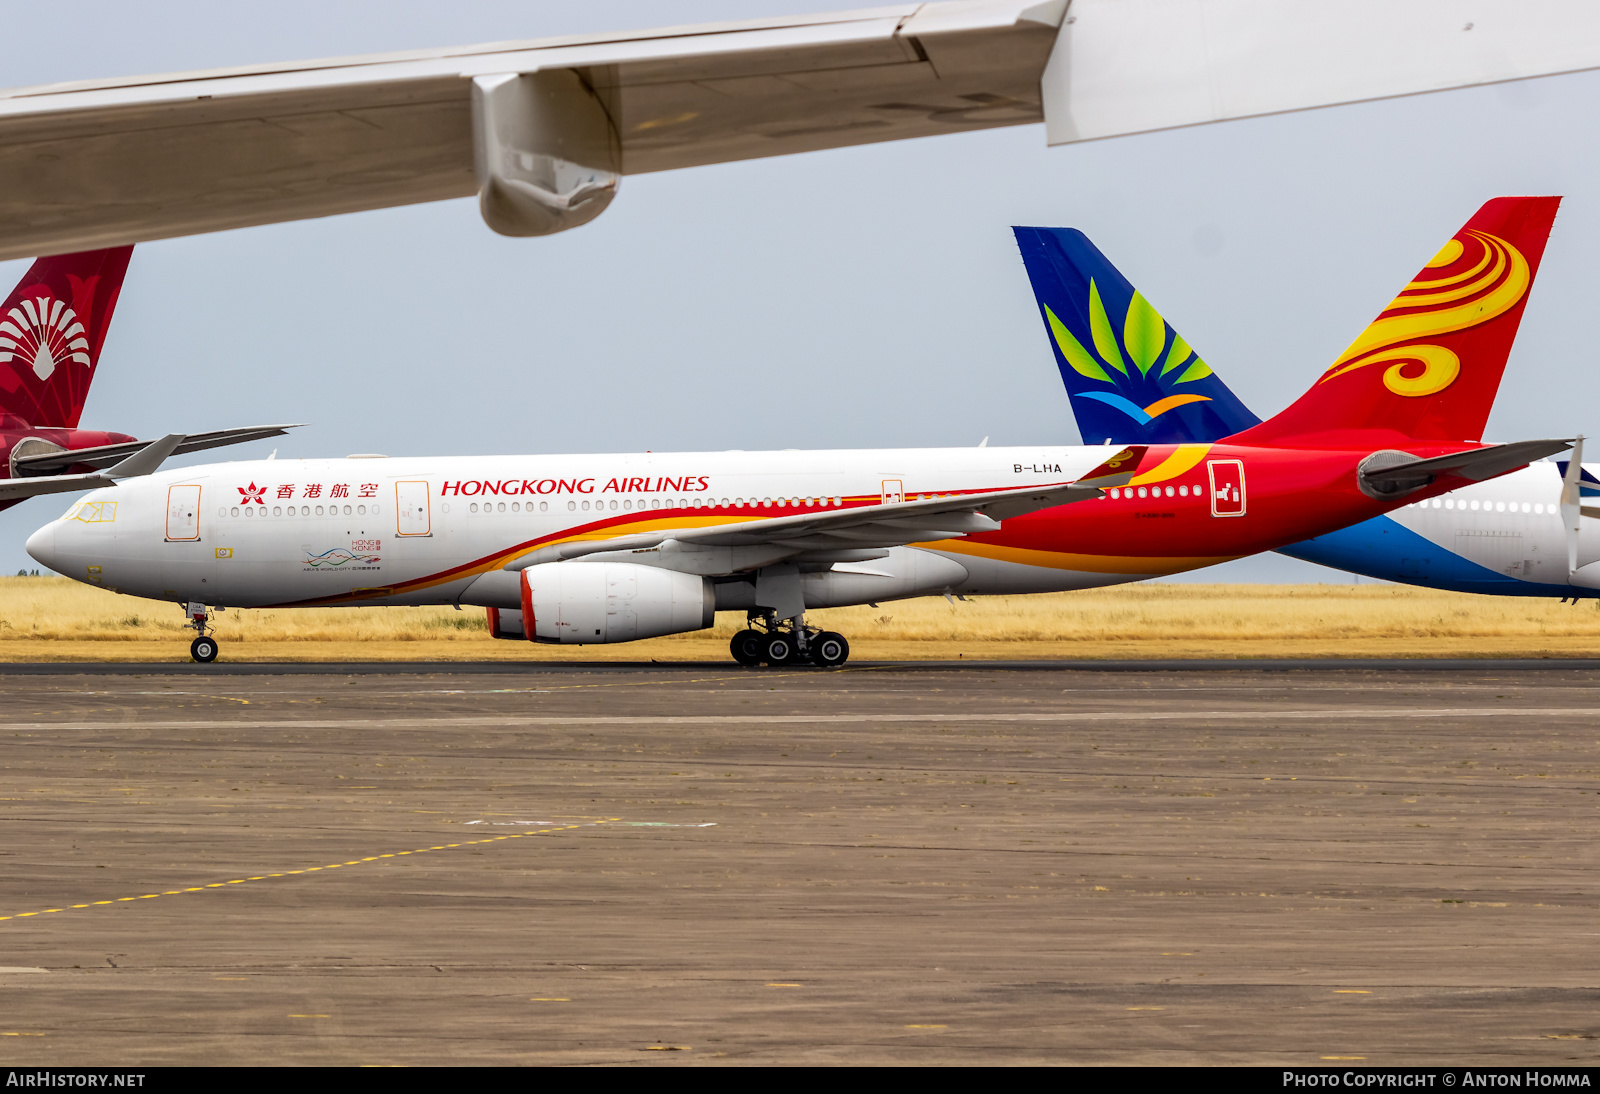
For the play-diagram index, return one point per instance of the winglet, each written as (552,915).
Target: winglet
(1572,503)
(147,459)
(1117,471)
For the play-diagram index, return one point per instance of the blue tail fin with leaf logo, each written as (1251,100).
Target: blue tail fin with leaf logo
(1131,378)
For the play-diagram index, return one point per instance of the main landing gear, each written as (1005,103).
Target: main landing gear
(204,648)
(788,643)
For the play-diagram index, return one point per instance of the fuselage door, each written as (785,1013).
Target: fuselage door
(183,513)
(412,517)
(894,491)
(1227,487)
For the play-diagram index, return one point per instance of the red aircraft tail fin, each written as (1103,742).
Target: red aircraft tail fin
(51,329)
(1429,366)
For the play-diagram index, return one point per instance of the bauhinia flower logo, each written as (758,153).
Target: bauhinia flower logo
(252,493)
(44,332)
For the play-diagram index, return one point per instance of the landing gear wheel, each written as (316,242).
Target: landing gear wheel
(203,650)
(778,648)
(829,650)
(747,647)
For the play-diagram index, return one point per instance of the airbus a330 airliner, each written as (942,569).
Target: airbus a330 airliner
(1533,532)
(609,548)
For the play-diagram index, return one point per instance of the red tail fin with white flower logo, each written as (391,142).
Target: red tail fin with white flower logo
(51,329)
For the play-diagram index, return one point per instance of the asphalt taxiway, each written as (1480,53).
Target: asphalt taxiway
(1188,863)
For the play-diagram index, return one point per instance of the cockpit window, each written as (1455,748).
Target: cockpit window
(92,512)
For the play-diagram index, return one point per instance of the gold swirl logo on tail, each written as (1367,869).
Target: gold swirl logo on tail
(1491,284)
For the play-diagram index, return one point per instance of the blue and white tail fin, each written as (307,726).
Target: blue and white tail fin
(1131,378)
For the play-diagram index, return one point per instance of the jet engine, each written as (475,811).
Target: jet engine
(582,603)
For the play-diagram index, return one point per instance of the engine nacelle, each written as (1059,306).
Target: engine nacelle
(588,603)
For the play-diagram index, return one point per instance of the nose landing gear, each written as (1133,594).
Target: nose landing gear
(204,648)
(788,643)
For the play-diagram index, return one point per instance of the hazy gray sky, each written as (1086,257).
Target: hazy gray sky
(867,297)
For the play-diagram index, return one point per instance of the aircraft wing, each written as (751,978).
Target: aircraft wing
(1131,66)
(542,130)
(98,163)
(106,455)
(892,524)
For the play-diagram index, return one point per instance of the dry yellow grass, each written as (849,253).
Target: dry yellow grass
(53,619)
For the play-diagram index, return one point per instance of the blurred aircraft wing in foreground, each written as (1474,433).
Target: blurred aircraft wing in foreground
(101,162)
(542,131)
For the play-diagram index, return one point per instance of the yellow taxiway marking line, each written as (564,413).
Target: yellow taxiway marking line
(313,869)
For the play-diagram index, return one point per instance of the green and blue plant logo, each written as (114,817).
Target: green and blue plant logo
(1144,343)
(1132,378)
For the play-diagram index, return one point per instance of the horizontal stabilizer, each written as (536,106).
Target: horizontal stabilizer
(106,455)
(144,461)
(1474,465)
(15,489)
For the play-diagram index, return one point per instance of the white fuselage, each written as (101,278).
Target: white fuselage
(423,530)
(1504,536)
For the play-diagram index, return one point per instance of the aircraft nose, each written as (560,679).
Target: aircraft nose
(42,546)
